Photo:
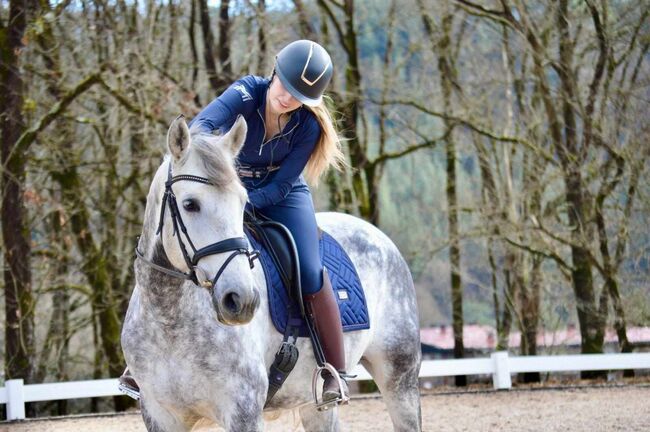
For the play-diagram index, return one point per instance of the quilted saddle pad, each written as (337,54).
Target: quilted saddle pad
(345,283)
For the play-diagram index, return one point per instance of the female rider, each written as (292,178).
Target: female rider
(289,130)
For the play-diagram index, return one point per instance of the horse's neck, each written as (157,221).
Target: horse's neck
(162,294)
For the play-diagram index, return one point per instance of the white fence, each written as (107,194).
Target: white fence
(500,365)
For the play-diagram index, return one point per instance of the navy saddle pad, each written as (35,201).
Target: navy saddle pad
(345,282)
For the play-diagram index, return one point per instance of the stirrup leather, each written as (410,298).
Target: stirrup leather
(322,405)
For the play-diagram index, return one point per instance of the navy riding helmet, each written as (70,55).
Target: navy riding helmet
(305,69)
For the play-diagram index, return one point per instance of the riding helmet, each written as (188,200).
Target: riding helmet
(305,69)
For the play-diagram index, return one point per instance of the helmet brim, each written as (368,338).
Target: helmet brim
(295,93)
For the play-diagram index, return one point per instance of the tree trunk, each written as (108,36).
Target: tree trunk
(610,265)
(55,346)
(442,49)
(591,322)
(172,35)
(262,67)
(445,72)
(529,310)
(97,266)
(530,268)
(454,257)
(195,55)
(19,302)
(208,46)
(306,29)
(358,154)
(224,46)
(619,319)
(492,213)
(350,105)
(96,270)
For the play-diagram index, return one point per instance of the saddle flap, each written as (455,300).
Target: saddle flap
(278,243)
(281,244)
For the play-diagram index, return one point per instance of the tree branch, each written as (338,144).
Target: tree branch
(476,128)
(130,106)
(570,243)
(29,136)
(503,17)
(482,9)
(337,25)
(552,255)
(603,48)
(383,157)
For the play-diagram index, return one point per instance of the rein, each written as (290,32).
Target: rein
(236,245)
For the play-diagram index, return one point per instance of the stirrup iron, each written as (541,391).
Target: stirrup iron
(129,391)
(322,405)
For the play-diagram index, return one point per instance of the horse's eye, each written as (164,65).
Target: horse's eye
(191,205)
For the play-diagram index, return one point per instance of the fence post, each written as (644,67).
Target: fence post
(501,375)
(15,399)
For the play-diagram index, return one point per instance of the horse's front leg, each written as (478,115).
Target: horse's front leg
(244,418)
(244,412)
(158,419)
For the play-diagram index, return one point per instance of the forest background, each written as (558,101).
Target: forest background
(503,146)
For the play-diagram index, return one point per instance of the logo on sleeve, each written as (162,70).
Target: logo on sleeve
(245,96)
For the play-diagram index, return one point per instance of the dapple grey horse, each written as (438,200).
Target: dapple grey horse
(201,352)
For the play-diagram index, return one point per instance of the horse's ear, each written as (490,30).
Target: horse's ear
(236,135)
(178,137)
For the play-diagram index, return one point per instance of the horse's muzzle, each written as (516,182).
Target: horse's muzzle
(235,307)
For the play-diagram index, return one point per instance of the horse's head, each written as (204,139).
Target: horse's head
(200,217)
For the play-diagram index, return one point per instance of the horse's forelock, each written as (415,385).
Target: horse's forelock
(218,164)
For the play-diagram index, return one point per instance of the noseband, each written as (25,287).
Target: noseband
(236,245)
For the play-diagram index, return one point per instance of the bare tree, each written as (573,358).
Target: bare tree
(441,44)
(556,39)
(19,302)
(306,29)
(366,165)
(219,74)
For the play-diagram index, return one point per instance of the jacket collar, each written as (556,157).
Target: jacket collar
(294,118)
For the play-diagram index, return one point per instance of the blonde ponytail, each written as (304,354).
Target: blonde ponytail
(328,149)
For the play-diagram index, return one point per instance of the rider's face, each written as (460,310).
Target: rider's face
(280,99)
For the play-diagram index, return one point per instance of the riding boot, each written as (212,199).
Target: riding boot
(128,385)
(323,311)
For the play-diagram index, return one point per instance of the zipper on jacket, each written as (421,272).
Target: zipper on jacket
(279,135)
(264,126)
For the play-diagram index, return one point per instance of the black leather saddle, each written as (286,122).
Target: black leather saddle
(278,241)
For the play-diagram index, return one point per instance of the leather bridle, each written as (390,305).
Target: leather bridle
(236,245)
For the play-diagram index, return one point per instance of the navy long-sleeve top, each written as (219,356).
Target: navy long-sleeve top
(290,149)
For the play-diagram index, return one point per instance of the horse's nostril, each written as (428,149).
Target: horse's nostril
(232,302)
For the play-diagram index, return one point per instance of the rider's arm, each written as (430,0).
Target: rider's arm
(304,141)
(222,112)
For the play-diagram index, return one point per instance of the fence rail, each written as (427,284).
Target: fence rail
(500,365)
